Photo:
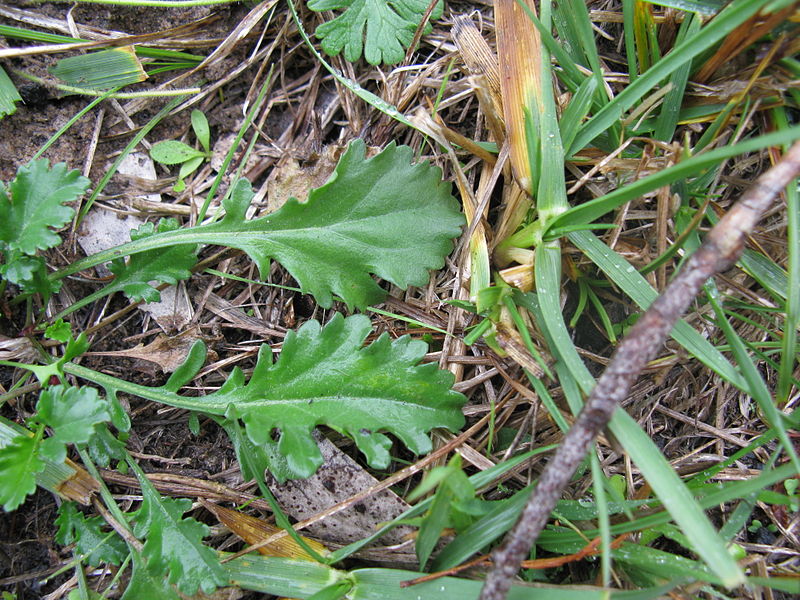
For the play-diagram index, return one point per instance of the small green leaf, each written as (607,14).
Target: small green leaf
(103,447)
(19,463)
(60,331)
(29,273)
(189,167)
(388,26)
(175,544)
(72,413)
(99,546)
(201,129)
(168,265)
(36,204)
(173,152)
(75,347)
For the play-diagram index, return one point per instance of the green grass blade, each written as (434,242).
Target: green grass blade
(302,579)
(20,33)
(8,95)
(587,212)
(666,484)
(715,495)
(577,110)
(101,70)
(575,29)
(639,290)
(757,388)
(792,287)
(765,271)
(703,7)
(670,108)
(736,13)
(628,8)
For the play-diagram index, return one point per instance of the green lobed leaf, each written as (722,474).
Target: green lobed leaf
(19,463)
(175,544)
(72,413)
(44,373)
(168,265)
(29,273)
(144,585)
(388,26)
(325,376)
(104,446)
(99,546)
(383,215)
(36,203)
(60,331)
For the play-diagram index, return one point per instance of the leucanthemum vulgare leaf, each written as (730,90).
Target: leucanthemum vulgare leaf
(324,376)
(99,545)
(72,413)
(30,206)
(174,543)
(383,216)
(168,265)
(387,25)
(19,463)
(36,203)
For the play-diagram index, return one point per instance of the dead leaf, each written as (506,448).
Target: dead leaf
(166,352)
(339,478)
(254,530)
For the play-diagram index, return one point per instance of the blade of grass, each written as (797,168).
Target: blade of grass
(8,95)
(657,471)
(736,13)
(757,389)
(622,273)
(101,70)
(670,107)
(301,579)
(587,212)
(792,319)
(629,28)
(577,110)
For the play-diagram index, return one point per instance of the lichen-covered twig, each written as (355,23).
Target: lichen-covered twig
(719,251)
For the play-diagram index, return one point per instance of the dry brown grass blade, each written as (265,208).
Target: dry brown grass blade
(128,40)
(719,251)
(253,530)
(80,487)
(519,54)
(741,38)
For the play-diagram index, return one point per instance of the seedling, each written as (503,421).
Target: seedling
(174,152)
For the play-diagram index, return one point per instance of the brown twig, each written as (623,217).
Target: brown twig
(719,251)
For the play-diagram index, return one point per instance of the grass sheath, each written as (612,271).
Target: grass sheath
(719,251)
